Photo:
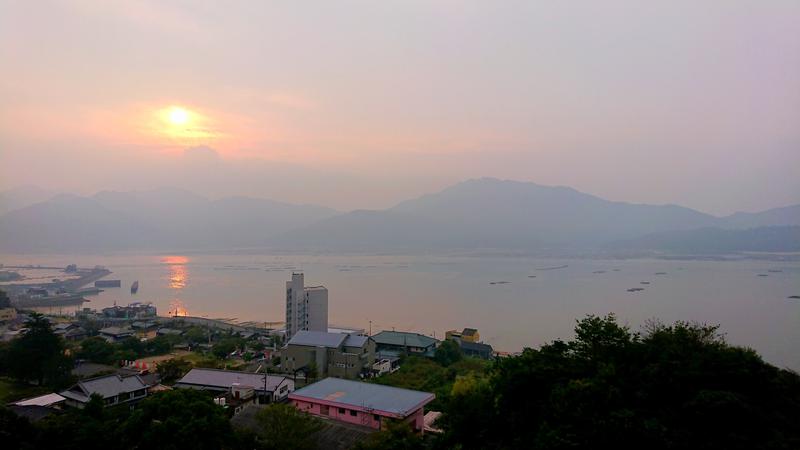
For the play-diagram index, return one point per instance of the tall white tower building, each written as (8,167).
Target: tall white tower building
(306,307)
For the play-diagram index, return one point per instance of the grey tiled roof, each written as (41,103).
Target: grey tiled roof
(107,386)
(224,379)
(365,395)
(318,339)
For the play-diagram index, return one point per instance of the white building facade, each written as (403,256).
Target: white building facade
(306,307)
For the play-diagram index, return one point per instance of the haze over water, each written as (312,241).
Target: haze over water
(431,294)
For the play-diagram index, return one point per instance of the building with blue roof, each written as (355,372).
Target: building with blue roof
(366,404)
(329,354)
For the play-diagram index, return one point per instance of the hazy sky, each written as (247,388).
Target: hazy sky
(365,103)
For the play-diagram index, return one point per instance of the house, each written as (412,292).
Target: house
(386,361)
(476,349)
(365,404)
(114,389)
(266,388)
(406,343)
(116,334)
(69,331)
(332,354)
(144,324)
(8,314)
(467,335)
(48,401)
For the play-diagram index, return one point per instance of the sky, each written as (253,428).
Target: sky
(362,104)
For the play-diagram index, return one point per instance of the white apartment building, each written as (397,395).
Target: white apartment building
(306,307)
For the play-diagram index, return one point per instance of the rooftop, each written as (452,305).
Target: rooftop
(403,339)
(107,386)
(318,339)
(115,331)
(224,379)
(354,340)
(365,395)
(42,400)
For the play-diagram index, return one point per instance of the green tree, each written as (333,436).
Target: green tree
(282,427)
(38,355)
(448,353)
(132,345)
(96,349)
(397,436)
(177,419)
(226,346)
(671,387)
(172,370)
(196,335)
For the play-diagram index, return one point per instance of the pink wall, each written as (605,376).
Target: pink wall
(361,418)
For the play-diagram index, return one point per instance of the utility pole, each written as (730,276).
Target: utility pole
(370,328)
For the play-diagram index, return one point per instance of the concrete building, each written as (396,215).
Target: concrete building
(406,343)
(365,404)
(332,354)
(470,342)
(467,335)
(114,389)
(306,307)
(266,388)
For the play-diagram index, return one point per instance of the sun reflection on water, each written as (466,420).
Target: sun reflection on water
(178,277)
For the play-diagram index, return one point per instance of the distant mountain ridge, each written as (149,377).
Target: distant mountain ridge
(161,218)
(484,213)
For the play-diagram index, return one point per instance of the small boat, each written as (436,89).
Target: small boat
(644,282)
(774,271)
(795,297)
(635,289)
(135,287)
(531,276)
(599,271)
(661,273)
(763,275)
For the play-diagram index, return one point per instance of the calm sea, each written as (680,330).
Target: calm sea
(433,294)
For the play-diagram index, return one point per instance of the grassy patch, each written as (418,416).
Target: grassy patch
(10,390)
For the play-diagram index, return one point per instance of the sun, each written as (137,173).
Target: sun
(178,116)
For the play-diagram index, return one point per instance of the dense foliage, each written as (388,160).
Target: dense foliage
(669,387)
(38,355)
(666,387)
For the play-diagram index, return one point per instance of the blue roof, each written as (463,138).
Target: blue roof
(365,395)
(317,339)
(355,341)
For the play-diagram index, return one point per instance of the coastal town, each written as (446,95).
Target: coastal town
(341,375)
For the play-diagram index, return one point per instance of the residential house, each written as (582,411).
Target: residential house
(115,334)
(467,335)
(476,349)
(365,404)
(406,343)
(332,354)
(267,388)
(114,389)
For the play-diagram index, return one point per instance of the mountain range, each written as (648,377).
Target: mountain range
(484,213)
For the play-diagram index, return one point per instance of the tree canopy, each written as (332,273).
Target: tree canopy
(679,386)
(38,355)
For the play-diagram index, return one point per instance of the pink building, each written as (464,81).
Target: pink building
(366,404)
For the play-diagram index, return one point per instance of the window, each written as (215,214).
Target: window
(353,412)
(324,409)
(376,417)
(341,410)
